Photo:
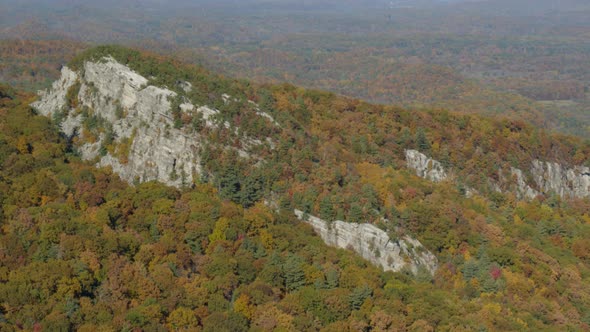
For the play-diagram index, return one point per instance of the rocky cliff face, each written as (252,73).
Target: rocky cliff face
(138,137)
(564,181)
(549,177)
(425,167)
(373,244)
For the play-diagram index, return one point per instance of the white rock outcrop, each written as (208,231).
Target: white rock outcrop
(139,114)
(374,244)
(158,151)
(566,182)
(523,190)
(54,99)
(425,167)
(549,177)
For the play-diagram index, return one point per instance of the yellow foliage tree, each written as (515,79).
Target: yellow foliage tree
(243,306)
(182,319)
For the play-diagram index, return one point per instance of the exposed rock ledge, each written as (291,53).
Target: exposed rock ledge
(425,167)
(140,115)
(566,182)
(548,177)
(373,244)
(158,150)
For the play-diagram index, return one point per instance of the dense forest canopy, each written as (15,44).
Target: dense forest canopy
(82,250)
(480,86)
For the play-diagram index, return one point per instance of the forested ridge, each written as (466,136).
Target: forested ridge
(82,250)
(526,58)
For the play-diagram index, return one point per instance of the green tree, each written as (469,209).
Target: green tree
(332,278)
(293,273)
(422,143)
(272,271)
(470,270)
(230,185)
(356,213)
(359,295)
(327,209)
(251,189)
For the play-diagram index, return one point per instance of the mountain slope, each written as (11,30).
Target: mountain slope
(81,250)
(253,121)
(503,263)
(145,133)
(307,149)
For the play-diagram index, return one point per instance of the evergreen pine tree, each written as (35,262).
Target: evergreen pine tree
(359,295)
(293,273)
(326,209)
(422,142)
(356,213)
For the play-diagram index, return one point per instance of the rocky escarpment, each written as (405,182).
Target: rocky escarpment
(374,244)
(117,118)
(523,190)
(548,177)
(564,181)
(425,167)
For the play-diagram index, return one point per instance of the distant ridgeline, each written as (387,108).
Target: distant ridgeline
(150,118)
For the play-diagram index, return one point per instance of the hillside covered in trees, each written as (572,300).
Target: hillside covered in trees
(34,64)
(82,250)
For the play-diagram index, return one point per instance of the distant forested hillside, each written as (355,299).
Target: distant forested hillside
(34,65)
(523,59)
